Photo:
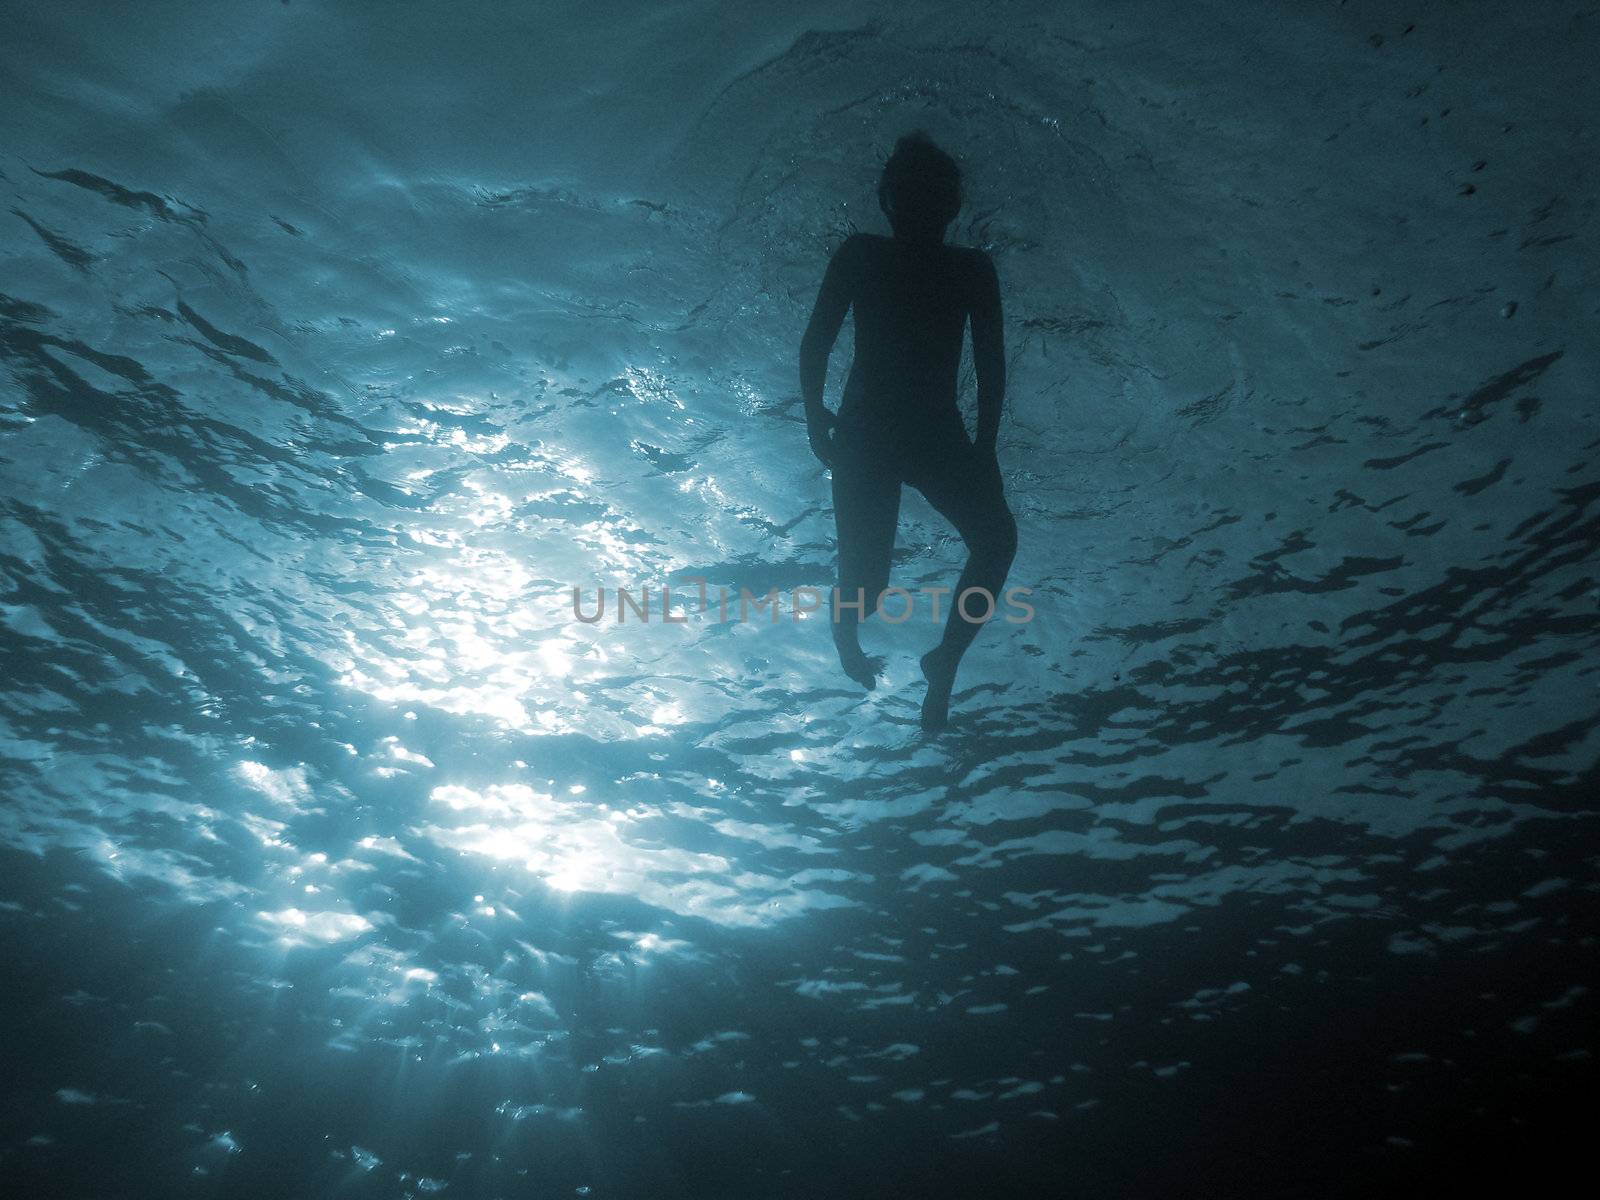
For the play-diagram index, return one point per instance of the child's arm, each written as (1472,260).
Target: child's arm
(833,301)
(988,352)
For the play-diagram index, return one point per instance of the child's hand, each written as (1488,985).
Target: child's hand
(818,426)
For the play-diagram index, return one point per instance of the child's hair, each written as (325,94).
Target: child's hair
(920,183)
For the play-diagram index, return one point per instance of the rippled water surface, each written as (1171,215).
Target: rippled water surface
(340,341)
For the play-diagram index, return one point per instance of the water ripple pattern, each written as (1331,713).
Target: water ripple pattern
(339,343)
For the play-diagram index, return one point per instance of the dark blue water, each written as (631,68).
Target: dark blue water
(341,340)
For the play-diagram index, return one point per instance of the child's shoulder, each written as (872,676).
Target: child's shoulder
(864,240)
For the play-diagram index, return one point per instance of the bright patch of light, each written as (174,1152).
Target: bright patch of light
(298,927)
(575,845)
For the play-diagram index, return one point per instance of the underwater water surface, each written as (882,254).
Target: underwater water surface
(339,342)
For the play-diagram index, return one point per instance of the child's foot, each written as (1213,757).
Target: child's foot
(859,666)
(939,669)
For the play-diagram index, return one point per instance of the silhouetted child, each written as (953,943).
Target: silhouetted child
(898,422)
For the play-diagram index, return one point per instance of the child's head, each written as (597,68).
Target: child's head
(920,190)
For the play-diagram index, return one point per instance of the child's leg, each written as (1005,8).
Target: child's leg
(866,507)
(964,485)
